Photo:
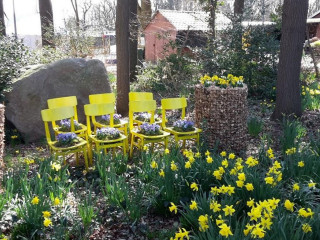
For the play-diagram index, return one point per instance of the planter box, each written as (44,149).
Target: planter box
(224,112)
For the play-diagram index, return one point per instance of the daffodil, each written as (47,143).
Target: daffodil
(289,205)
(187,165)
(193,205)
(173,166)
(161,173)
(251,161)
(173,208)
(56,201)
(311,184)
(225,230)
(250,203)
(154,164)
(306,228)
(249,187)
(209,160)
(296,187)
(228,210)
(47,222)
(203,222)
(194,186)
(269,180)
(35,200)
(46,214)
(215,206)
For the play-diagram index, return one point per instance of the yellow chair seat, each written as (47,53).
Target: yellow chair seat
(170,129)
(122,124)
(81,143)
(120,139)
(79,132)
(98,110)
(139,139)
(57,114)
(138,122)
(178,104)
(163,134)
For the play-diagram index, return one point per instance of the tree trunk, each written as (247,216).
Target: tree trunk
(134,32)
(312,54)
(46,18)
(212,20)
(146,12)
(76,12)
(122,38)
(288,93)
(238,7)
(2,25)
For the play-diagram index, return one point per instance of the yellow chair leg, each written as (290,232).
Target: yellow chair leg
(198,140)
(184,144)
(77,158)
(90,154)
(165,143)
(85,159)
(131,145)
(124,148)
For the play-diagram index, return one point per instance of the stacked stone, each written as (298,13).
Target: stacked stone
(224,112)
(1,141)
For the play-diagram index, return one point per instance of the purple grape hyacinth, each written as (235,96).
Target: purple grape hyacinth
(105,119)
(66,139)
(108,133)
(183,126)
(65,125)
(150,129)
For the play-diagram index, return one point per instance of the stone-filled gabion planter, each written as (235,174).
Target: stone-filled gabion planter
(1,137)
(225,112)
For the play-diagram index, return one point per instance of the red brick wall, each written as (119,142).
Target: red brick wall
(154,46)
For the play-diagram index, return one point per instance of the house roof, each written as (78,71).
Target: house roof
(314,14)
(183,20)
(313,20)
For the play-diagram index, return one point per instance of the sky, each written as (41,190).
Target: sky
(27,15)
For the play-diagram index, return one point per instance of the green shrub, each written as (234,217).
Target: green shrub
(251,52)
(13,56)
(255,126)
(173,74)
(293,131)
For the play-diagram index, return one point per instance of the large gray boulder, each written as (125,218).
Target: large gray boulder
(68,77)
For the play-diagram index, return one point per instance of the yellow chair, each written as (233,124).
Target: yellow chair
(139,139)
(56,114)
(94,110)
(176,104)
(70,101)
(141,96)
(107,98)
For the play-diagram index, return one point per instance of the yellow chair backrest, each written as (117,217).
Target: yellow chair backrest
(140,96)
(70,101)
(99,109)
(173,104)
(92,110)
(56,114)
(102,98)
(139,106)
